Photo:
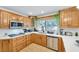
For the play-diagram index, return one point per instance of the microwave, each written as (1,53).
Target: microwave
(16,24)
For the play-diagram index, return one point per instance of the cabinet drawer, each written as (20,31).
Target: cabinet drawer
(44,44)
(22,42)
(20,47)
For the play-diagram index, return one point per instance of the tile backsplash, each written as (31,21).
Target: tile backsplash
(10,31)
(74,31)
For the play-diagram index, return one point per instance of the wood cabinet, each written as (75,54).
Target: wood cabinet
(43,40)
(60,45)
(0,45)
(29,39)
(69,18)
(39,39)
(5,45)
(6,17)
(19,43)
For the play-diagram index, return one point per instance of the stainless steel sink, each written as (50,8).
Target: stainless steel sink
(12,35)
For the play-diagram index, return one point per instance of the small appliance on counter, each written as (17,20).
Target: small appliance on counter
(68,33)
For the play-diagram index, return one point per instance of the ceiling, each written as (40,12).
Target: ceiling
(35,10)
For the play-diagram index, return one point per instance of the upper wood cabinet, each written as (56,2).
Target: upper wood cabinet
(69,18)
(6,17)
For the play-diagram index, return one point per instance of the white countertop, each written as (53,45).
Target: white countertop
(69,41)
(8,37)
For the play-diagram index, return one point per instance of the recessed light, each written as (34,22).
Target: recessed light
(30,13)
(42,12)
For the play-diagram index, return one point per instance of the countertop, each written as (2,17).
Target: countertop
(69,41)
(8,37)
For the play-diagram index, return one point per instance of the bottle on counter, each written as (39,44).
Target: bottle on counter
(76,33)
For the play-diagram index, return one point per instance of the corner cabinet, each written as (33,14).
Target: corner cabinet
(40,39)
(69,18)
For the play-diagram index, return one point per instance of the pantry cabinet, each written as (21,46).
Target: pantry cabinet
(69,18)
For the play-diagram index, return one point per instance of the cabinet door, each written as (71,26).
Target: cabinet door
(29,41)
(44,40)
(5,46)
(14,17)
(0,45)
(60,45)
(37,39)
(69,18)
(20,18)
(4,19)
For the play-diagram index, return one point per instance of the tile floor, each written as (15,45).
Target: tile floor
(36,48)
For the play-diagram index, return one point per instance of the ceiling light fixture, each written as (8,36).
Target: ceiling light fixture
(42,12)
(30,13)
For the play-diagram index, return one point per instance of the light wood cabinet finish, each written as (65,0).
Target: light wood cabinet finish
(0,45)
(6,17)
(17,44)
(5,45)
(60,45)
(69,18)
(40,39)
(29,39)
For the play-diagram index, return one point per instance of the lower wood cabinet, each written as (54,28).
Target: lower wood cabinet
(5,45)
(60,45)
(17,44)
(29,39)
(44,40)
(0,45)
(39,39)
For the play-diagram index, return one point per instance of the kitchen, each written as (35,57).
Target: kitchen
(52,28)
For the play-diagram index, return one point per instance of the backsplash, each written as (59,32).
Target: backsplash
(73,31)
(10,31)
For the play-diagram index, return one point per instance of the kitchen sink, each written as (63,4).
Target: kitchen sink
(12,35)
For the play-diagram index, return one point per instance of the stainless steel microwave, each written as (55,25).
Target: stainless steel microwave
(16,24)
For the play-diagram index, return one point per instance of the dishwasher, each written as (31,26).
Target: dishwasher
(52,42)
